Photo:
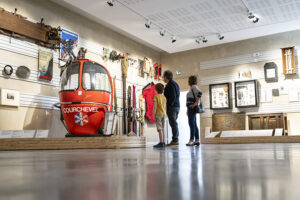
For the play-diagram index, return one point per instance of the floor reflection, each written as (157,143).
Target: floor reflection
(227,172)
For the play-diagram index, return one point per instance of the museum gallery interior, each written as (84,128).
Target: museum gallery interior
(149,99)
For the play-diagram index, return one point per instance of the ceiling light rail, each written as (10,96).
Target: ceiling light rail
(148,23)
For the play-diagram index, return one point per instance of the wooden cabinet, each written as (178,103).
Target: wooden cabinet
(268,121)
(228,121)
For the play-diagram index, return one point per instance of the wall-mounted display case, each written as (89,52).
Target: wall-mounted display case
(288,60)
(219,95)
(246,94)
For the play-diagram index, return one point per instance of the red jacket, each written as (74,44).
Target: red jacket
(149,93)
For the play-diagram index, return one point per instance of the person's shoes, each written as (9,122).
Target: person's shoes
(160,145)
(173,144)
(190,143)
(197,143)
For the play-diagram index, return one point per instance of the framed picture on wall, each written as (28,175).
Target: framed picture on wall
(246,94)
(219,95)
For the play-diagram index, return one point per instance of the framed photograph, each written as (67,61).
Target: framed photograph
(271,72)
(219,95)
(246,94)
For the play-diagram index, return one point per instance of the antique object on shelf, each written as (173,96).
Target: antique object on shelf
(105,54)
(45,69)
(81,53)
(228,121)
(288,60)
(246,94)
(23,72)
(219,95)
(271,72)
(8,70)
(268,121)
(15,25)
(113,56)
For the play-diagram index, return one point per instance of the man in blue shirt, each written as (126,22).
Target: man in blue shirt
(172,93)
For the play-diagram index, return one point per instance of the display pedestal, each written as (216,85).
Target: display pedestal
(114,142)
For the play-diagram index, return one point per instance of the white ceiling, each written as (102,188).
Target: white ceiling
(188,19)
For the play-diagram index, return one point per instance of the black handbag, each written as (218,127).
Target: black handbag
(199,108)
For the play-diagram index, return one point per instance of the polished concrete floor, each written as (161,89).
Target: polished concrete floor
(229,172)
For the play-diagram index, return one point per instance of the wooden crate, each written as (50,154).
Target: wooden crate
(72,143)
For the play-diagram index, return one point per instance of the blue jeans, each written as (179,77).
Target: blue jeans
(172,116)
(194,131)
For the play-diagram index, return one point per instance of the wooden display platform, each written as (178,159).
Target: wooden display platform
(248,140)
(72,143)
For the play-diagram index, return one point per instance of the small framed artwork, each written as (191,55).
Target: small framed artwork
(288,60)
(271,72)
(246,94)
(219,95)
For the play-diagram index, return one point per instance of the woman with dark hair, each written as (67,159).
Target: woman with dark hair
(192,100)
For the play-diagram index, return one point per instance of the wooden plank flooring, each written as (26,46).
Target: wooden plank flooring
(72,143)
(258,139)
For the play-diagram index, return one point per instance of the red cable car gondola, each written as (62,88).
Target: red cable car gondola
(86,95)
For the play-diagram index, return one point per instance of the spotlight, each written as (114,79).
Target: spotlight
(111,2)
(204,40)
(252,17)
(221,37)
(162,32)
(173,38)
(201,39)
(148,23)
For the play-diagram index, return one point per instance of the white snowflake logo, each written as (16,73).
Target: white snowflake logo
(81,119)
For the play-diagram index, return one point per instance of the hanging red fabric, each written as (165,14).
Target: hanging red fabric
(148,94)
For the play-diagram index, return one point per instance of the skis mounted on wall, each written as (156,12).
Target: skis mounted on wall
(129,107)
(134,127)
(124,64)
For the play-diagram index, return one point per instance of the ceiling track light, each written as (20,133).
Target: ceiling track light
(220,37)
(173,38)
(111,2)
(201,39)
(204,40)
(252,17)
(148,23)
(162,32)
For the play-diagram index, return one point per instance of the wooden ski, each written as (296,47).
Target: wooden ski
(124,63)
(141,114)
(134,128)
(129,107)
